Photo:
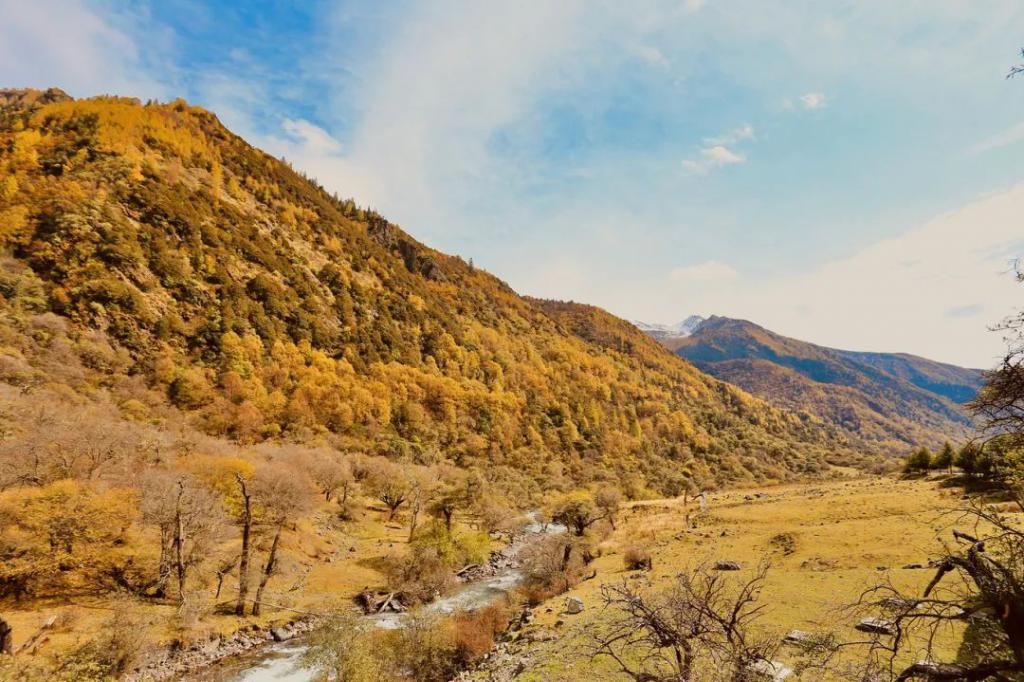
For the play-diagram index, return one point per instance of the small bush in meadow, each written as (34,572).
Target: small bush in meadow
(636,559)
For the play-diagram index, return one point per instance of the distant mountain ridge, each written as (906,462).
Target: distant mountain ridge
(882,401)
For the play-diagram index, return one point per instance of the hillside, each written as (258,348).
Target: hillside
(156,261)
(886,402)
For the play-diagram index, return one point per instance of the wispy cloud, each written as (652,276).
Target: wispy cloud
(703,273)
(738,134)
(720,151)
(894,294)
(65,43)
(1005,138)
(313,138)
(814,100)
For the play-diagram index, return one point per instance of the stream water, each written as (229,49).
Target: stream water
(282,662)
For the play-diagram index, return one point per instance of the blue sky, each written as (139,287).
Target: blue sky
(844,172)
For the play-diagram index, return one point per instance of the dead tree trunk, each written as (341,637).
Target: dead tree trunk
(448,512)
(164,565)
(268,569)
(179,542)
(222,571)
(243,562)
(6,638)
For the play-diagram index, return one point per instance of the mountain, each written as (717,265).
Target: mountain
(156,262)
(885,402)
(668,333)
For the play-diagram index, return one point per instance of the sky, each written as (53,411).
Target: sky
(847,173)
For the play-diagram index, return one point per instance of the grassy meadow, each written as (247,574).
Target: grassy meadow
(826,542)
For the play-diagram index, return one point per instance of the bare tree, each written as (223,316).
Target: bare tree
(282,495)
(243,561)
(423,486)
(389,484)
(1016,68)
(979,583)
(189,518)
(331,473)
(700,628)
(452,496)
(608,499)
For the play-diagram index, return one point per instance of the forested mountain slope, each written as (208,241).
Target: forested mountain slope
(883,401)
(181,269)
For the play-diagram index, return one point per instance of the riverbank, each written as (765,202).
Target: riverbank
(257,653)
(186,663)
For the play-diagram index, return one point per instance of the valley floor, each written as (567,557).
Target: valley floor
(826,542)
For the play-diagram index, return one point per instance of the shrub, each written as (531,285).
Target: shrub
(784,542)
(110,654)
(342,649)
(474,632)
(637,558)
(426,650)
(455,549)
(420,576)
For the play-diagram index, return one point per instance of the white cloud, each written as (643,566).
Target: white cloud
(738,134)
(707,272)
(721,156)
(713,157)
(813,100)
(63,43)
(313,138)
(448,76)
(932,290)
(1005,138)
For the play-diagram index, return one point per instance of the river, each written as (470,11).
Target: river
(283,662)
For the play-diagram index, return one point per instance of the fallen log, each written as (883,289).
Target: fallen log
(387,603)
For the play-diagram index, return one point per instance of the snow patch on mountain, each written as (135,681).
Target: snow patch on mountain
(684,328)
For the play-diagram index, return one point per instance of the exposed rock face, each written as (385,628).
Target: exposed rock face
(30,97)
(573,605)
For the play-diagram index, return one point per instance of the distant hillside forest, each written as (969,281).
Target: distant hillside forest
(883,402)
(157,263)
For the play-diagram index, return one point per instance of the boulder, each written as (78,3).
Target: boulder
(573,605)
(727,566)
(879,626)
(770,670)
(280,634)
(799,637)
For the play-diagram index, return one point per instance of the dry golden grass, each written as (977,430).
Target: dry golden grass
(837,538)
(326,564)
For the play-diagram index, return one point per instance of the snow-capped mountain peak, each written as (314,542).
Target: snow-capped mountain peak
(684,328)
